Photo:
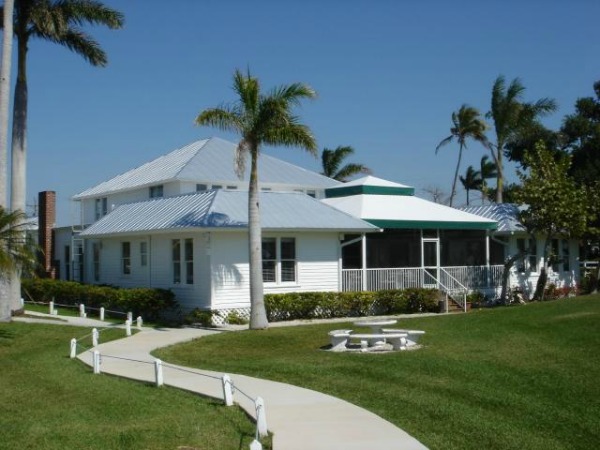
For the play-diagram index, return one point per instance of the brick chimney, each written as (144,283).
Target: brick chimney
(46,220)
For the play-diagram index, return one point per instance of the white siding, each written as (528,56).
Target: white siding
(317,267)
(62,238)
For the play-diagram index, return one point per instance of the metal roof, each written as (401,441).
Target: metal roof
(223,209)
(208,160)
(506,214)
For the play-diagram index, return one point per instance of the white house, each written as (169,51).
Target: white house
(180,222)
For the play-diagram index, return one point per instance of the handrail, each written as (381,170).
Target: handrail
(462,288)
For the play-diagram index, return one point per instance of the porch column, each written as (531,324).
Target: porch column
(487,257)
(363,241)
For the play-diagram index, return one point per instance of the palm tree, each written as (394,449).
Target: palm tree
(471,181)
(16,254)
(57,21)
(260,120)
(332,164)
(511,115)
(487,170)
(467,124)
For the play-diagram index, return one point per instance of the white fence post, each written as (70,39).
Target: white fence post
(140,322)
(261,417)
(95,335)
(255,445)
(82,310)
(102,313)
(227,391)
(73,348)
(128,327)
(22,302)
(96,362)
(158,372)
(51,308)
(130,316)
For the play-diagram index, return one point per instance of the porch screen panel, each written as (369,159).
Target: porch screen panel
(394,249)
(462,248)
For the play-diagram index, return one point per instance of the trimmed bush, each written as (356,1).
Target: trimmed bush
(326,305)
(149,303)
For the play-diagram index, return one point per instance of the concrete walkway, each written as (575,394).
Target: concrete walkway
(298,418)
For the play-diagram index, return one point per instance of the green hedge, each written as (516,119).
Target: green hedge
(326,305)
(149,303)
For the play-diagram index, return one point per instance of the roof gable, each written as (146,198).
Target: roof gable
(224,209)
(506,214)
(211,160)
(369,185)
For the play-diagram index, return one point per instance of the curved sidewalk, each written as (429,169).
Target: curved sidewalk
(298,418)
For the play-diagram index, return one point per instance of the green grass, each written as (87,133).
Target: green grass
(52,402)
(524,377)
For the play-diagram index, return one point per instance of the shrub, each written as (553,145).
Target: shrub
(476,299)
(150,303)
(202,317)
(325,305)
(234,318)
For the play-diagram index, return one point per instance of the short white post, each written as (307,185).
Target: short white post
(102,313)
(140,322)
(227,391)
(82,310)
(158,372)
(130,316)
(95,335)
(255,445)
(128,327)
(22,302)
(261,417)
(96,362)
(51,308)
(73,348)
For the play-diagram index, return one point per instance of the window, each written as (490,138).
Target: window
(201,187)
(143,254)
(187,262)
(265,189)
(68,262)
(156,191)
(217,186)
(279,260)
(529,263)
(126,258)
(232,187)
(560,255)
(101,207)
(311,193)
(96,260)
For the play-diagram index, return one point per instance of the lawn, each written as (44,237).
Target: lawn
(52,402)
(522,377)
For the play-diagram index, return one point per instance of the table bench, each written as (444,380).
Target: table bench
(412,338)
(339,339)
(397,340)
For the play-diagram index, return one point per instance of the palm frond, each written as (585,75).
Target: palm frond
(78,42)
(223,118)
(81,12)
(349,170)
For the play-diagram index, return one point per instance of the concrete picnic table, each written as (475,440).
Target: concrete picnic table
(376,325)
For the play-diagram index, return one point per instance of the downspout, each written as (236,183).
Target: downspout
(363,238)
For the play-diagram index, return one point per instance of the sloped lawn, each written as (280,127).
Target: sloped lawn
(52,402)
(523,377)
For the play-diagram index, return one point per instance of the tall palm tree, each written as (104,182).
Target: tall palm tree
(260,119)
(15,253)
(487,170)
(57,21)
(332,161)
(467,124)
(511,116)
(471,181)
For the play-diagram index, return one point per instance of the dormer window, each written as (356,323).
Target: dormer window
(201,187)
(156,191)
(101,207)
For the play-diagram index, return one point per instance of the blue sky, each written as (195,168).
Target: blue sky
(389,74)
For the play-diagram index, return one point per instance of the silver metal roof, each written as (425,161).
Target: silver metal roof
(224,209)
(208,160)
(506,214)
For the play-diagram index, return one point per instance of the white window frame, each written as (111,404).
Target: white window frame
(101,207)
(279,261)
(126,258)
(96,247)
(157,191)
(144,254)
(182,261)
(526,264)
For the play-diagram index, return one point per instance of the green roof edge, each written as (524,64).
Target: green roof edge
(368,190)
(430,225)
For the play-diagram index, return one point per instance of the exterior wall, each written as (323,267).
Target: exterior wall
(158,273)
(62,238)
(317,257)
(528,280)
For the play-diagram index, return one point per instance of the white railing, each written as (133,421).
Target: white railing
(470,277)
(453,288)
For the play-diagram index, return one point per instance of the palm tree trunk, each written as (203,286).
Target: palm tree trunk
(258,315)
(5,303)
(19,154)
(467,197)
(500,174)
(453,193)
